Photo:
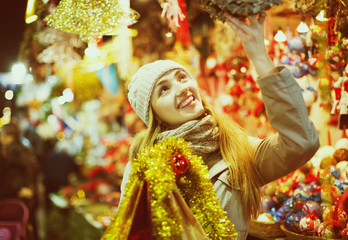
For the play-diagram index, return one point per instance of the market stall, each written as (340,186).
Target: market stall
(82,54)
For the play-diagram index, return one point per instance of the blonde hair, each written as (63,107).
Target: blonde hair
(235,149)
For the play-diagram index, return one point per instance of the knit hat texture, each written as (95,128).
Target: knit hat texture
(142,83)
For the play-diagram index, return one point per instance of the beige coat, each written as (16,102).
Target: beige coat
(275,156)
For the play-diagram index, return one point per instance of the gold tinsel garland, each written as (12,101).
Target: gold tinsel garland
(91,19)
(154,166)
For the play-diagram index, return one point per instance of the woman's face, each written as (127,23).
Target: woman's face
(175,99)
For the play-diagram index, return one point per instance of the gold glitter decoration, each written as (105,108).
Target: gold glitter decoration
(154,165)
(91,19)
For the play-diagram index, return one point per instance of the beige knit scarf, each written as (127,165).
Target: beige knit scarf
(203,135)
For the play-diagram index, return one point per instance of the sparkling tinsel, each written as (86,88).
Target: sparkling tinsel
(238,8)
(91,19)
(154,165)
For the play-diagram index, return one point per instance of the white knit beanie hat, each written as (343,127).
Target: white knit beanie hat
(142,83)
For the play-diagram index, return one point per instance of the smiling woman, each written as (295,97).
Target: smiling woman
(175,99)
(166,97)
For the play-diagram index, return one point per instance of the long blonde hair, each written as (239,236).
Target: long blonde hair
(235,149)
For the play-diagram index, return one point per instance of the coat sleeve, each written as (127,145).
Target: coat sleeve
(296,140)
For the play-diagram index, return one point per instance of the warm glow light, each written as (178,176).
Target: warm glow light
(211,62)
(18,73)
(19,68)
(9,95)
(30,15)
(169,34)
(6,112)
(31,19)
(321,16)
(280,36)
(61,100)
(302,27)
(92,51)
(68,95)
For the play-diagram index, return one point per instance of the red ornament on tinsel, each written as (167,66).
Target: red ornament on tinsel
(180,164)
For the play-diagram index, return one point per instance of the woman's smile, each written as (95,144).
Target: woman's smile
(190,100)
(175,98)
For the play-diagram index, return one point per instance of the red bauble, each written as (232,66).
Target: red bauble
(180,164)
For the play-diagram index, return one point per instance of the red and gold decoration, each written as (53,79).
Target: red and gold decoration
(91,19)
(153,190)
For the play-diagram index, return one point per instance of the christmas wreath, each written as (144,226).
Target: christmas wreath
(238,8)
(169,194)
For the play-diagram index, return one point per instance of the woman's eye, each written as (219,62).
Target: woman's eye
(182,77)
(163,90)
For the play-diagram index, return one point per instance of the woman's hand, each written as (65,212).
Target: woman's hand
(252,37)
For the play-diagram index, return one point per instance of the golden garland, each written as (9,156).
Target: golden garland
(91,19)
(154,165)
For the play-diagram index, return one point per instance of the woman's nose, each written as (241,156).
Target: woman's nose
(182,90)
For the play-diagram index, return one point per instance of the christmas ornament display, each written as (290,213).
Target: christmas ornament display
(153,185)
(238,8)
(91,19)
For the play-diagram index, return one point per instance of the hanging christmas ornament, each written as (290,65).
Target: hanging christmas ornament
(91,19)
(60,47)
(240,9)
(175,12)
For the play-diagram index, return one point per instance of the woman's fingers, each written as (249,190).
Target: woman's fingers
(253,20)
(244,27)
(239,31)
(262,17)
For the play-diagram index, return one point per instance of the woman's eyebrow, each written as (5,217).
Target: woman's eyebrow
(163,81)
(178,72)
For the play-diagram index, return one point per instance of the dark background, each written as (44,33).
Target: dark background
(12,25)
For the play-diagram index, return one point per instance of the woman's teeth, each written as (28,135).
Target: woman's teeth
(186,102)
